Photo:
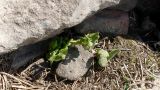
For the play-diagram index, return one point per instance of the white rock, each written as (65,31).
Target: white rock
(24,22)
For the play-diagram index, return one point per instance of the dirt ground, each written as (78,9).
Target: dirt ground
(135,67)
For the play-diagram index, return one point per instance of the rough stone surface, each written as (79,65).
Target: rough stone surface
(24,22)
(106,22)
(76,64)
(25,54)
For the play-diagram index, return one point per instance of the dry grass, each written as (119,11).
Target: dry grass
(135,67)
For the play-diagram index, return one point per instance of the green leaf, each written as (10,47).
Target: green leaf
(58,48)
(53,45)
(113,53)
(101,52)
(89,41)
(126,83)
(102,57)
(126,87)
(52,55)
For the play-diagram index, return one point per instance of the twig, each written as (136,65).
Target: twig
(125,49)
(26,88)
(141,66)
(48,86)
(5,80)
(31,65)
(129,73)
(3,84)
(3,73)
(55,77)
(74,84)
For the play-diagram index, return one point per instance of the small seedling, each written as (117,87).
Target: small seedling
(104,56)
(59,48)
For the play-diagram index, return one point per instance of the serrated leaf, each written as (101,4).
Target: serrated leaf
(89,41)
(58,49)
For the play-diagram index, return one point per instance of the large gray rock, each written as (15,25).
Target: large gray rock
(76,64)
(23,22)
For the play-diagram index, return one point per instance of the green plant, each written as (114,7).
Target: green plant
(59,48)
(88,41)
(104,56)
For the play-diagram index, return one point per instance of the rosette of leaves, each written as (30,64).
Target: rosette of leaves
(58,48)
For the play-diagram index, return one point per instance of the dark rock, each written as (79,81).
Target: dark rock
(147,25)
(106,22)
(125,5)
(158,35)
(149,8)
(27,53)
(76,64)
